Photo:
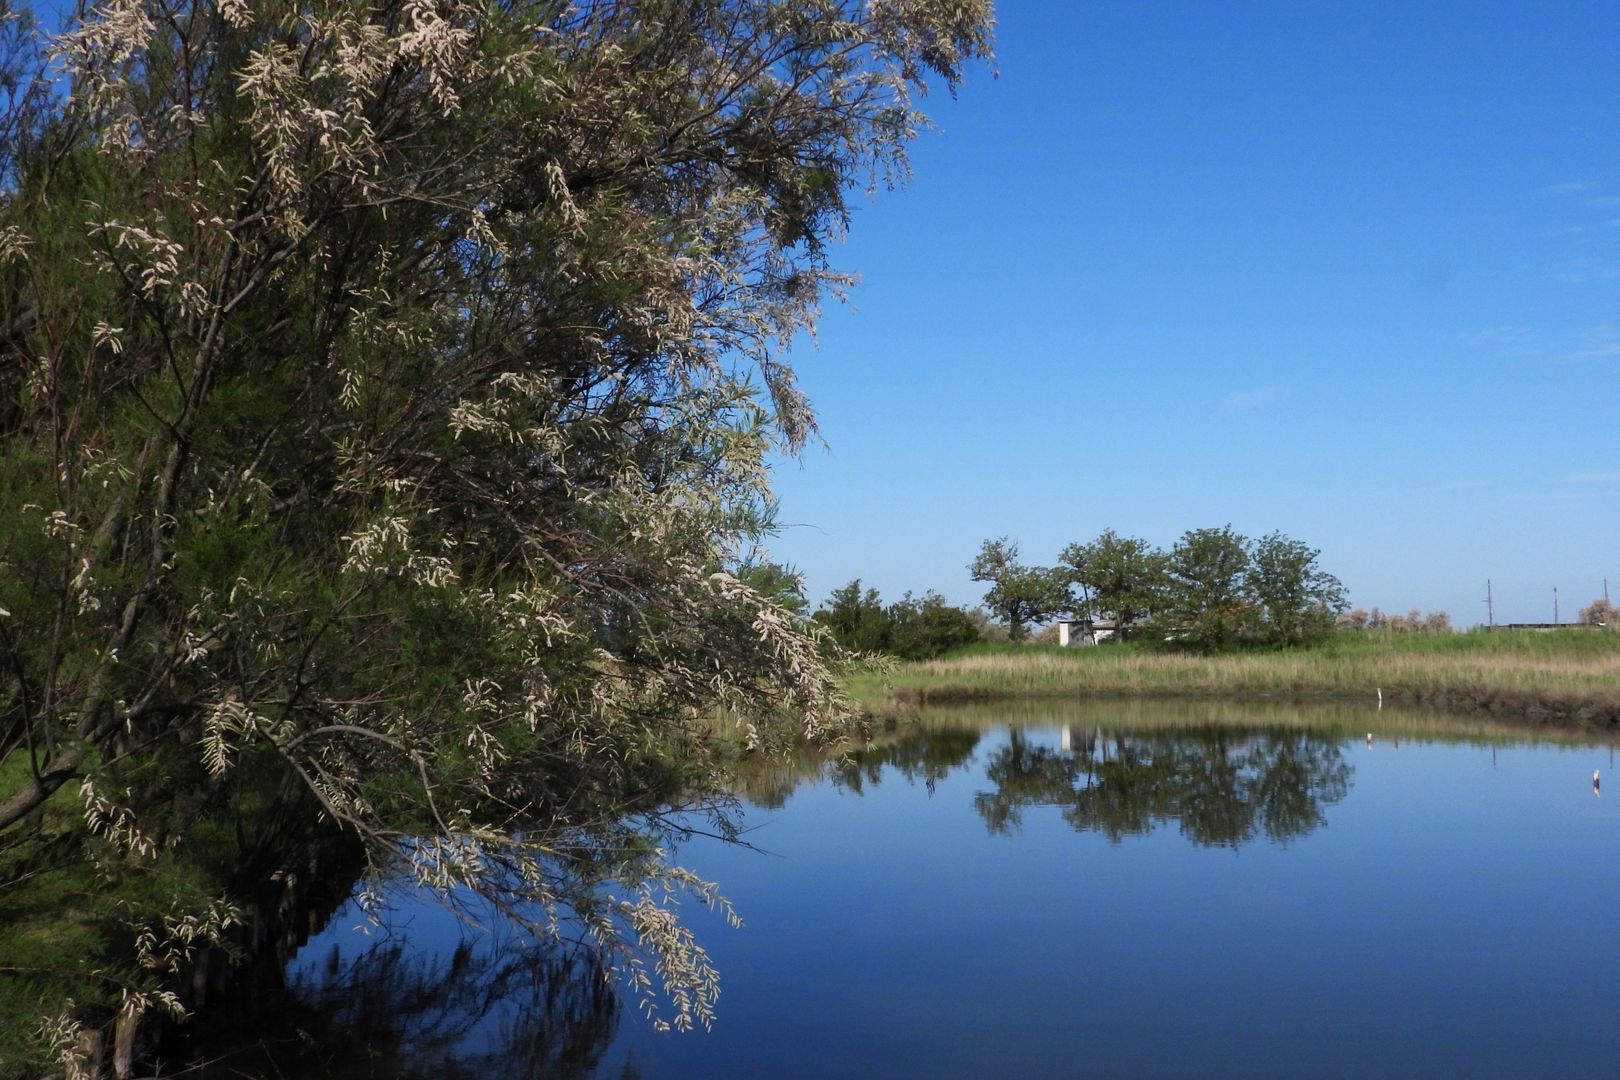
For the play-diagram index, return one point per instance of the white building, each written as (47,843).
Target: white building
(1087,631)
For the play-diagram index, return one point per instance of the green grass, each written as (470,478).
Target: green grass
(1569,676)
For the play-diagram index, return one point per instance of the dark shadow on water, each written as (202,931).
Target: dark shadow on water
(481,1010)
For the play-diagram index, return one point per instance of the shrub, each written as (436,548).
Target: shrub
(1601,613)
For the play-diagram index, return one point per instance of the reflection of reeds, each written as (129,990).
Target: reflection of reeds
(1567,677)
(1343,718)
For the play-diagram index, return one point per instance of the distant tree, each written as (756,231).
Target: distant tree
(914,628)
(1208,609)
(782,585)
(985,623)
(1413,622)
(1019,595)
(1122,577)
(858,620)
(1601,613)
(1353,620)
(1296,599)
(921,629)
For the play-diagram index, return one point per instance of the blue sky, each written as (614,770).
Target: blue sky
(1350,274)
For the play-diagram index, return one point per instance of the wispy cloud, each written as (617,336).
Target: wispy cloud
(1509,342)
(1258,397)
(1568,187)
(1598,343)
(1587,479)
(1584,271)
(1595,343)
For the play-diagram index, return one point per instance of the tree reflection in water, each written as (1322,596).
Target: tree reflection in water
(927,756)
(919,755)
(1224,787)
(483,1010)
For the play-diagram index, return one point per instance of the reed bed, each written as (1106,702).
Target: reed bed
(1569,676)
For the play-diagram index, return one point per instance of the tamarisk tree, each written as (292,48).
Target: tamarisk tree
(385,395)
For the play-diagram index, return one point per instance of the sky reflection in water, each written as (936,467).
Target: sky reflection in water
(1064,896)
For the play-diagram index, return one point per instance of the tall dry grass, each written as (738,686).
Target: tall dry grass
(1570,675)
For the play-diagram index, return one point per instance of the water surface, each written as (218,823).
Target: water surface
(1112,889)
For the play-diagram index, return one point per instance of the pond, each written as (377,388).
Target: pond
(1109,888)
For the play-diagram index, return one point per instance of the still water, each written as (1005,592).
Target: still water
(1097,889)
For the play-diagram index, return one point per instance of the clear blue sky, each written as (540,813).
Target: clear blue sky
(1347,272)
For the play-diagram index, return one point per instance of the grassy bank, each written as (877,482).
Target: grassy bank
(1570,676)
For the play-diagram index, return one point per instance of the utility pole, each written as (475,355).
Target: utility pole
(1605,590)
(1555,605)
(1490,608)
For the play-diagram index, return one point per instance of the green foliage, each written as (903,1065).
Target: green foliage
(781,585)
(1207,607)
(1019,595)
(912,629)
(1122,577)
(856,619)
(1214,590)
(1222,590)
(1296,598)
(384,415)
(921,629)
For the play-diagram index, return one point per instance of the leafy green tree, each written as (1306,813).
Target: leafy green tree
(1123,577)
(1297,599)
(1019,595)
(856,619)
(385,394)
(912,629)
(1208,607)
(921,629)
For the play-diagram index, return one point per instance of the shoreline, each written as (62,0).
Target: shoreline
(1565,680)
(1520,707)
